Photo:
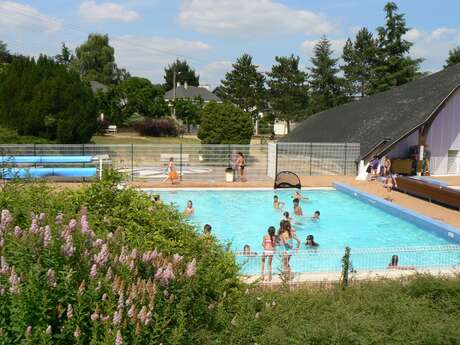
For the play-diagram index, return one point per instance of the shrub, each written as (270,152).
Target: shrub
(185,309)
(157,127)
(224,123)
(9,136)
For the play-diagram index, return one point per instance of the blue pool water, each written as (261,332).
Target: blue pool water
(242,217)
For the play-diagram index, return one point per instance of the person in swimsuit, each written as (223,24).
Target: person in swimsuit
(298,196)
(240,164)
(189,210)
(316,216)
(287,217)
(310,241)
(276,203)
(207,230)
(172,173)
(288,237)
(297,208)
(268,244)
(394,264)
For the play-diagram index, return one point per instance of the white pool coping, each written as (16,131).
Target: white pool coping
(239,189)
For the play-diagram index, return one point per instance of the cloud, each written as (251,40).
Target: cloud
(249,17)
(94,12)
(148,56)
(16,16)
(308,46)
(214,72)
(433,46)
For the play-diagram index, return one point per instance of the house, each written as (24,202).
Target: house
(416,121)
(191,92)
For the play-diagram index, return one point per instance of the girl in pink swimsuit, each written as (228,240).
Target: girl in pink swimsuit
(268,243)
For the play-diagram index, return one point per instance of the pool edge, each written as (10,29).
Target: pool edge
(447,231)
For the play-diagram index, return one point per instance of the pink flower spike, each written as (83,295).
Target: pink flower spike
(191,269)
(77,332)
(59,218)
(17,231)
(116,320)
(50,276)
(72,225)
(47,236)
(28,331)
(69,311)
(177,258)
(119,338)
(49,330)
(93,272)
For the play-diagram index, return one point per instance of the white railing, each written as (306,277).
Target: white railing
(362,259)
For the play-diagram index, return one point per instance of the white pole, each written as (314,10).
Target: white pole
(100,168)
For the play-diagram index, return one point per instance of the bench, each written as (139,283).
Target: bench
(111,129)
(164,158)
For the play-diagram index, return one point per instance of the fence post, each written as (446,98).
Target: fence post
(132,162)
(345,163)
(311,154)
(276,160)
(180,162)
(83,153)
(35,153)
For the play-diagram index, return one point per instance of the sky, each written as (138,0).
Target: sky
(211,34)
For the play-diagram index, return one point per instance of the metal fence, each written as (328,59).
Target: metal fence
(197,162)
(362,259)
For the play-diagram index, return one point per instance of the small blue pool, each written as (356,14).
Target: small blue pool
(242,217)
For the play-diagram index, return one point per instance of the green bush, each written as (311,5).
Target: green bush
(43,99)
(418,310)
(9,136)
(183,311)
(224,123)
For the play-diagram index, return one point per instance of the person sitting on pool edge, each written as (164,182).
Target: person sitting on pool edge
(189,210)
(276,203)
(315,216)
(297,208)
(310,241)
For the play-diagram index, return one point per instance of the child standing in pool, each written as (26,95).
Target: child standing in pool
(287,237)
(297,209)
(276,203)
(268,244)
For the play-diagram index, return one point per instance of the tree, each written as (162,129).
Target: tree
(132,96)
(95,60)
(394,65)
(184,73)
(244,86)
(188,111)
(224,123)
(4,53)
(43,99)
(288,89)
(65,57)
(453,58)
(360,59)
(325,85)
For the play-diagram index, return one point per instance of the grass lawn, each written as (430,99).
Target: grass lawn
(134,138)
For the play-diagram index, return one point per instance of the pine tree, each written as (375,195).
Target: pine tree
(394,65)
(66,57)
(453,58)
(360,59)
(288,89)
(244,86)
(184,73)
(325,85)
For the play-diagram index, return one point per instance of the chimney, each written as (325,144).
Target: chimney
(185,85)
(205,86)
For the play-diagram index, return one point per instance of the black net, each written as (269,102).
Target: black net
(287,179)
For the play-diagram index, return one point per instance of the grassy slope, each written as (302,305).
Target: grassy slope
(133,138)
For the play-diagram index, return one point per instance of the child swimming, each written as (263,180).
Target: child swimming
(316,216)
(310,241)
(189,210)
(276,203)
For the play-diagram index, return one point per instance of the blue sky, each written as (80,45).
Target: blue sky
(211,34)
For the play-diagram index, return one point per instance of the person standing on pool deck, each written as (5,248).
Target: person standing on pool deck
(172,173)
(287,237)
(297,208)
(241,164)
(189,210)
(268,244)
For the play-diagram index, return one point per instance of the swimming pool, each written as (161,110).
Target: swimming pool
(242,217)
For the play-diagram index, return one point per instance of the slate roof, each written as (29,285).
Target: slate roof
(387,116)
(192,92)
